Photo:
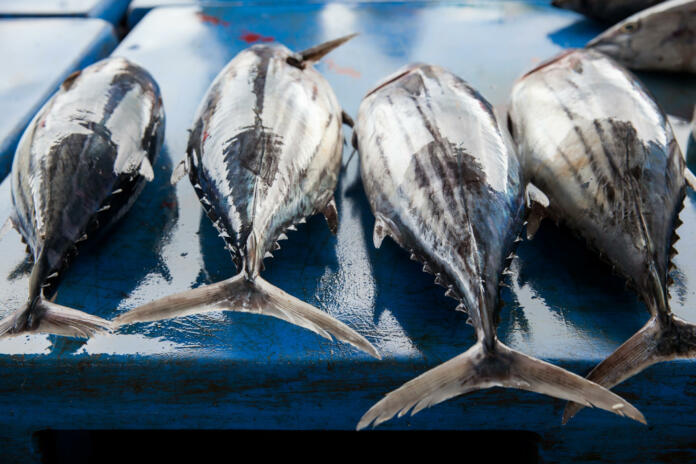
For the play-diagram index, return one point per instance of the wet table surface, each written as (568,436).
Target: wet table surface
(108,10)
(227,370)
(34,64)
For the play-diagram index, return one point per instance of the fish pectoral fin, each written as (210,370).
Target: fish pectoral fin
(7,225)
(537,202)
(690,178)
(347,120)
(331,215)
(478,369)
(655,342)
(146,169)
(179,171)
(255,296)
(383,227)
(317,52)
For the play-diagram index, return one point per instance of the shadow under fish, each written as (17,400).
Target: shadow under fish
(79,166)
(264,154)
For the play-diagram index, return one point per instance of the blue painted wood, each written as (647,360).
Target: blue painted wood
(108,10)
(34,64)
(224,370)
(139,8)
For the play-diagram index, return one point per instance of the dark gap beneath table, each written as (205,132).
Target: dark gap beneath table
(86,446)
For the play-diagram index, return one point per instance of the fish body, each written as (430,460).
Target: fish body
(265,150)
(444,183)
(611,11)
(660,38)
(264,153)
(591,137)
(78,168)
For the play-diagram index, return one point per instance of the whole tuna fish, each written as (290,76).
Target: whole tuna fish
(264,153)
(661,38)
(611,11)
(444,184)
(78,168)
(591,137)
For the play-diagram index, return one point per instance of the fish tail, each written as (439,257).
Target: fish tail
(480,368)
(662,338)
(44,316)
(255,296)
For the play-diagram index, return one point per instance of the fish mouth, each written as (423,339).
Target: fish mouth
(603,45)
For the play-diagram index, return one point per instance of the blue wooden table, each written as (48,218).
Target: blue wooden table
(224,370)
(35,62)
(108,10)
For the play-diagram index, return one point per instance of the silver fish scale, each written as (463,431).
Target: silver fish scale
(265,150)
(89,140)
(440,176)
(592,138)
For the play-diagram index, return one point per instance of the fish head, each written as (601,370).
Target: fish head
(621,41)
(644,41)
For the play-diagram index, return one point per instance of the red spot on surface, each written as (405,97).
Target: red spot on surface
(342,70)
(168,204)
(251,37)
(205,136)
(214,20)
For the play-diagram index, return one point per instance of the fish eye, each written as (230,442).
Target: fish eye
(629,27)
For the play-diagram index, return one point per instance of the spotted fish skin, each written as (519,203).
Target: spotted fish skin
(444,183)
(603,10)
(265,151)
(79,167)
(660,38)
(593,139)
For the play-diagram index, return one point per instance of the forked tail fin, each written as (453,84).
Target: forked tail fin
(250,296)
(478,369)
(661,339)
(47,317)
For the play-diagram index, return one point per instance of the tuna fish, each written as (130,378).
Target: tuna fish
(78,168)
(661,38)
(443,183)
(611,11)
(590,136)
(264,153)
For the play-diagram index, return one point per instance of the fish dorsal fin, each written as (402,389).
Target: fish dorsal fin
(316,53)
(690,178)
(537,202)
(180,171)
(70,80)
(146,169)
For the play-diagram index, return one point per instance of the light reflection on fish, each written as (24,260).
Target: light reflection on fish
(78,168)
(591,137)
(443,182)
(264,153)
